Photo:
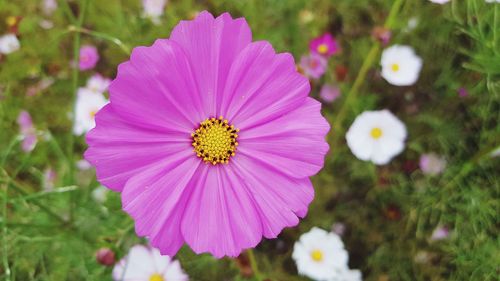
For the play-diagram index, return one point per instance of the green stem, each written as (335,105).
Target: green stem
(75,73)
(4,234)
(114,40)
(253,264)
(361,77)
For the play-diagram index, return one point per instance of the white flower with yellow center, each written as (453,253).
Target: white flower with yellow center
(9,44)
(320,255)
(400,65)
(147,264)
(376,136)
(88,103)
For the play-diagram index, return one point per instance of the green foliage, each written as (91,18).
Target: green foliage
(389,211)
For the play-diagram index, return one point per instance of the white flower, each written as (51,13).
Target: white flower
(432,164)
(493,1)
(377,136)
(320,255)
(49,7)
(348,275)
(87,105)
(98,84)
(100,194)
(9,44)
(440,1)
(400,65)
(147,264)
(154,9)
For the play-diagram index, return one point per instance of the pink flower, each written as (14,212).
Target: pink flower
(440,233)
(187,175)
(313,65)
(98,83)
(324,45)
(88,57)
(27,130)
(329,93)
(432,164)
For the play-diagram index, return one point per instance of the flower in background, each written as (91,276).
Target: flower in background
(105,256)
(376,136)
(382,34)
(320,255)
(147,264)
(98,84)
(440,233)
(100,194)
(338,228)
(28,131)
(462,92)
(220,111)
(324,45)
(83,165)
(49,7)
(400,65)
(87,105)
(493,1)
(88,57)
(329,93)
(154,9)
(9,44)
(313,65)
(432,164)
(49,179)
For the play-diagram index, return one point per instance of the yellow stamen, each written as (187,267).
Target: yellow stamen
(215,140)
(156,277)
(93,113)
(322,49)
(317,255)
(376,133)
(395,67)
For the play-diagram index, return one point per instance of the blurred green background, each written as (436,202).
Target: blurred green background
(389,212)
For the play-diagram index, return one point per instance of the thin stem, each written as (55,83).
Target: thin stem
(116,41)
(75,73)
(4,234)
(253,264)
(367,63)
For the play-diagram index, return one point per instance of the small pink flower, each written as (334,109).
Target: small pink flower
(105,256)
(88,57)
(324,45)
(462,92)
(329,93)
(49,179)
(432,164)
(338,228)
(27,131)
(440,233)
(313,65)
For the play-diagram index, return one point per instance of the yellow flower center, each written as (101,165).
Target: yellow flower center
(395,67)
(376,133)
(156,277)
(92,113)
(317,255)
(322,49)
(215,140)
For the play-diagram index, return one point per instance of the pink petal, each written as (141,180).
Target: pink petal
(262,85)
(212,45)
(156,199)
(294,143)
(158,80)
(278,198)
(220,216)
(118,149)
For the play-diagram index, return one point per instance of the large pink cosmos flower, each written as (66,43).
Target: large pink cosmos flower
(211,139)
